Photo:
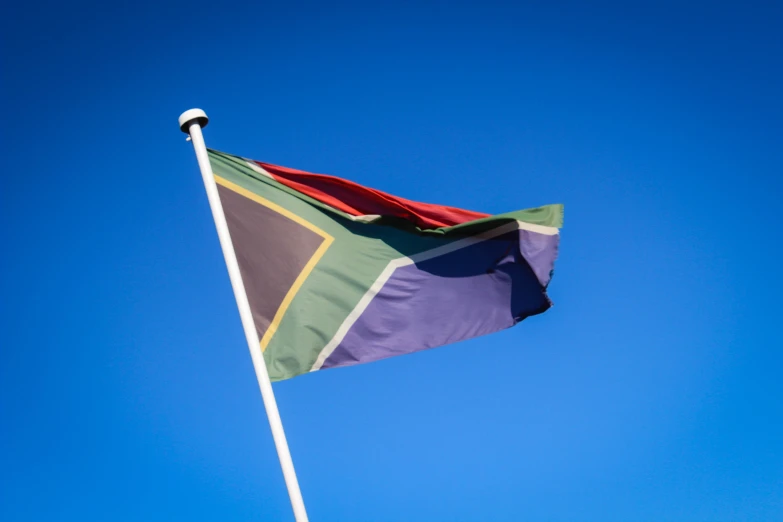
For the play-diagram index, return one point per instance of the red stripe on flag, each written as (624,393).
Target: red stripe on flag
(357,200)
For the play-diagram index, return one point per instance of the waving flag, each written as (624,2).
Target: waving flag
(339,274)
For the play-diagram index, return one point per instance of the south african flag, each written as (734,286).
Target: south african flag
(339,274)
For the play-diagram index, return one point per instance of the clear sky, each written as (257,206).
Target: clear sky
(651,391)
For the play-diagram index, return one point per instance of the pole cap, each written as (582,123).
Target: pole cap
(187,117)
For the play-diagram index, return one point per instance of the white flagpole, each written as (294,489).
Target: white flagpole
(191,122)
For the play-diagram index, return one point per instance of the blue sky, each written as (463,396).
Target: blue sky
(650,392)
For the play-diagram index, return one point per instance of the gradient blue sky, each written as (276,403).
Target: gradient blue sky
(650,392)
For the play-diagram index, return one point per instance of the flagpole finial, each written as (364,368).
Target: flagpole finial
(187,118)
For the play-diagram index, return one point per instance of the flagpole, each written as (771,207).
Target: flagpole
(191,122)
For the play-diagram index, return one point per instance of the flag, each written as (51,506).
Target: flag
(339,274)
